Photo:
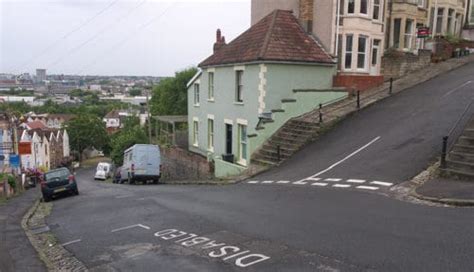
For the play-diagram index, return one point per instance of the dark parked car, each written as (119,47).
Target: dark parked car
(58,181)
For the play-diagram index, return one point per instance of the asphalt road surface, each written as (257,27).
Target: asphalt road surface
(274,224)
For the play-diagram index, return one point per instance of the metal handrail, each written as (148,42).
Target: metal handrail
(446,148)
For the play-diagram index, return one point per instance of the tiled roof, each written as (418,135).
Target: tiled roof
(36,124)
(277,37)
(113,114)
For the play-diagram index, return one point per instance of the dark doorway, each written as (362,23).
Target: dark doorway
(228,138)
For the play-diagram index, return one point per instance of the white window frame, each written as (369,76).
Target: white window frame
(196,94)
(471,13)
(210,134)
(365,68)
(408,37)
(367,6)
(242,143)
(346,52)
(210,92)
(196,132)
(346,8)
(421,3)
(379,5)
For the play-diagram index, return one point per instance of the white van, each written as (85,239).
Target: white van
(103,171)
(141,162)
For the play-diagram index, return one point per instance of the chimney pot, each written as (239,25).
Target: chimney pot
(220,40)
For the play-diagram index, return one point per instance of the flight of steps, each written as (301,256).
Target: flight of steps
(290,137)
(460,160)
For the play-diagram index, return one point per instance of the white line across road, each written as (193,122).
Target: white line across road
(356,181)
(372,188)
(333,179)
(345,159)
(386,184)
(131,227)
(321,184)
(341,186)
(457,88)
(300,183)
(71,242)
(283,182)
(267,181)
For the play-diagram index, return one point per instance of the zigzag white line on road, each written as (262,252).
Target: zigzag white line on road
(457,88)
(386,184)
(320,184)
(356,180)
(341,185)
(71,242)
(345,159)
(372,188)
(131,227)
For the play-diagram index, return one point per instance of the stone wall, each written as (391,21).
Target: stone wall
(397,64)
(179,164)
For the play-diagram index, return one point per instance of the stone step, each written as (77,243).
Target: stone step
(288,148)
(281,140)
(450,173)
(274,154)
(297,131)
(264,161)
(460,165)
(468,132)
(463,148)
(463,157)
(302,125)
(463,140)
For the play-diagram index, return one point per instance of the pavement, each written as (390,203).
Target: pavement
(449,191)
(16,252)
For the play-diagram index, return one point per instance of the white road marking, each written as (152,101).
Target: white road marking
(131,227)
(386,184)
(300,182)
(368,188)
(457,88)
(283,181)
(267,181)
(71,242)
(253,182)
(313,179)
(356,180)
(321,184)
(341,185)
(123,196)
(346,158)
(333,179)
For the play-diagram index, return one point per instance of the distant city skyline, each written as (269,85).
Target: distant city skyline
(114,37)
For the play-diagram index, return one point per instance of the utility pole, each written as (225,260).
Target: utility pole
(149,116)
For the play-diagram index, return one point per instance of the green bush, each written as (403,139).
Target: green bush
(11,181)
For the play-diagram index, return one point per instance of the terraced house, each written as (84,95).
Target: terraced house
(351,30)
(468,31)
(250,87)
(446,17)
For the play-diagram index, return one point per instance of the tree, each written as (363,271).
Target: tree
(130,135)
(170,95)
(87,131)
(135,92)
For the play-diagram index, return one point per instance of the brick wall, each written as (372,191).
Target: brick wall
(397,64)
(306,14)
(180,164)
(357,82)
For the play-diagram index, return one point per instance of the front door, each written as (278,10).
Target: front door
(374,64)
(228,138)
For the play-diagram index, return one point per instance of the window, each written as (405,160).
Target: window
(439,21)
(350,6)
(196,94)
(361,52)
(396,32)
(363,6)
(211,86)
(196,133)
(348,55)
(210,134)
(450,21)
(238,86)
(243,143)
(471,18)
(421,3)
(376,14)
(408,34)
(375,52)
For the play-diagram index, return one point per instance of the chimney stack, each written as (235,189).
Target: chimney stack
(306,14)
(220,41)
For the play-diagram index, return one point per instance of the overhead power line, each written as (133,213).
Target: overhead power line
(119,44)
(93,37)
(66,35)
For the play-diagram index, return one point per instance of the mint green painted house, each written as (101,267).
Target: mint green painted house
(259,75)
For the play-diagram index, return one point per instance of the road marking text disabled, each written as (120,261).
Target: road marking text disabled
(243,258)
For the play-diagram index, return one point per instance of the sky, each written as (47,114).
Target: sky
(114,37)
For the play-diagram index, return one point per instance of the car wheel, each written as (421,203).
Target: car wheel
(76,192)
(156,181)
(46,199)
